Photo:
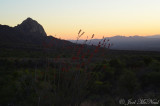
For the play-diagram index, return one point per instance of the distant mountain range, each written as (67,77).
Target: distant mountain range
(29,34)
(153,36)
(147,43)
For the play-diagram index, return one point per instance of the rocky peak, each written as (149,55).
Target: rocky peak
(31,27)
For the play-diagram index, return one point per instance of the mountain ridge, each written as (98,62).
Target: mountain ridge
(140,43)
(28,34)
(31,26)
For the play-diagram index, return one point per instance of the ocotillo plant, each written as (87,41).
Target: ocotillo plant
(66,82)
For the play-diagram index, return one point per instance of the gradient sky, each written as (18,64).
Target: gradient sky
(64,18)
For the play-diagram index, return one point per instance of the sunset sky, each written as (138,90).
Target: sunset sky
(64,18)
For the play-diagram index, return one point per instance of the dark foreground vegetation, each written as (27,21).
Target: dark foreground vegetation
(41,70)
(39,78)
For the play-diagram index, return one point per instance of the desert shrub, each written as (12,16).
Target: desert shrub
(116,63)
(128,84)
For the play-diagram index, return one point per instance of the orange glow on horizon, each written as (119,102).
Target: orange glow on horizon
(100,17)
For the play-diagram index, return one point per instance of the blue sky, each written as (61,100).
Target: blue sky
(102,17)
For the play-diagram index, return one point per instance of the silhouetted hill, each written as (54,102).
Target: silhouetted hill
(131,43)
(31,27)
(153,36)
(29,34)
